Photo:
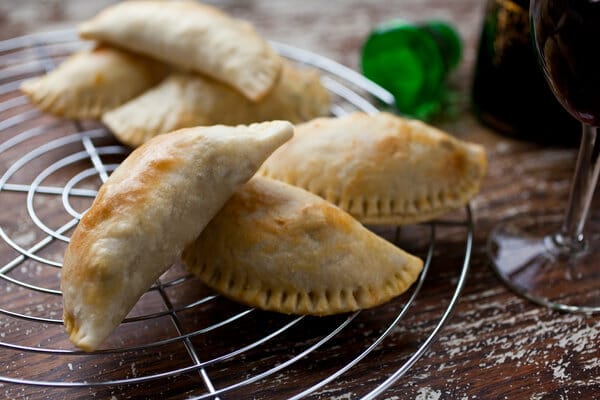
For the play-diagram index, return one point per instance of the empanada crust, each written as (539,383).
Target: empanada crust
(184,100)
(92,82)
(193,37)
(280,248)
(382,169)
(156,202)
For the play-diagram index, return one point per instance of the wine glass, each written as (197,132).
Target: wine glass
(551,259)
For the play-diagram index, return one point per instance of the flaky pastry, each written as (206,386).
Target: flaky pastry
(382,169)
(280,248)
(191,36)
(154,204)
(184,100)
(91,82)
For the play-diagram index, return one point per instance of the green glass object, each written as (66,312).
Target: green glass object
(412,61)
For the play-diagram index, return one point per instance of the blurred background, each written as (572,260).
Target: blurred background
(336,29)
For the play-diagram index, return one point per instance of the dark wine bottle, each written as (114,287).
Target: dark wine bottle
(509,91)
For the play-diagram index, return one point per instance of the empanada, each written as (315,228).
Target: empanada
(280,248)
(154,204)
(184,100)
(382,169)
(192,36)
(91,82)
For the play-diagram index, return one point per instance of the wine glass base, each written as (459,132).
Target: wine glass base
(526,258)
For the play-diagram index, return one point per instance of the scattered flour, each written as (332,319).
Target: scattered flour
(559,370)
(427,393)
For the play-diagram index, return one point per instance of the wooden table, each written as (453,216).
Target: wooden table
(495,345)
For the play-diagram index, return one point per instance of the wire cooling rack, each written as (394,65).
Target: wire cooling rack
(181,340)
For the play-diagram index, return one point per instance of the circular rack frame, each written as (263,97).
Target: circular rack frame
(66,161)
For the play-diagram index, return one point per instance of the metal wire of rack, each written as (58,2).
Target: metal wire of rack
(179,335)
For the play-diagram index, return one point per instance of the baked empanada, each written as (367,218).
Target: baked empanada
(184,100)
(89,83)
(154,204)
(280,248)
(193,37)
(382,169)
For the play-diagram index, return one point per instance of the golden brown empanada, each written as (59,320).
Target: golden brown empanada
(278,247)
(89,83)
(192,36)
(381,168)
(154,204)
(184,100)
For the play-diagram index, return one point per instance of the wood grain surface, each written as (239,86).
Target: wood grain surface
(495,345)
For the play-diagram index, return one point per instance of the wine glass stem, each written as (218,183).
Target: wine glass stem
(570,238)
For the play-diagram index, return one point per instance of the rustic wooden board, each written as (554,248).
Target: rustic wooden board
(496,345)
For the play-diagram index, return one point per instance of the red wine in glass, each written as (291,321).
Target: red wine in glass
(566,36)
(554,260)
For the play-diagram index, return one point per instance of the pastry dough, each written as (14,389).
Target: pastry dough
(193,37)
(156,202)
(185,100)
(278,247)
(89,83)
(381,168)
